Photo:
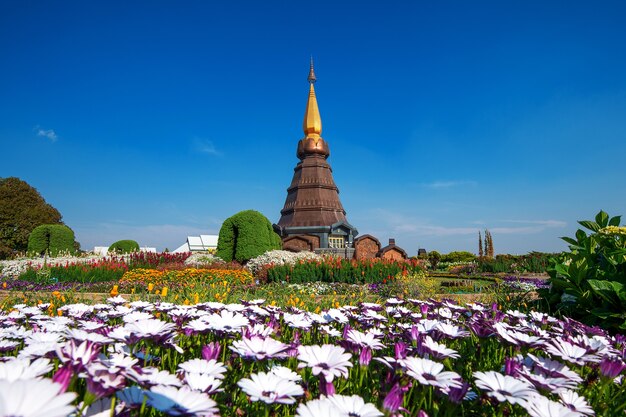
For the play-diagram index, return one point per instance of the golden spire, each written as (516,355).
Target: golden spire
(312,121)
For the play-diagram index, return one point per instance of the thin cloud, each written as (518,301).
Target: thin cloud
(545,223)
(206,146)
(47,133)
(449,184)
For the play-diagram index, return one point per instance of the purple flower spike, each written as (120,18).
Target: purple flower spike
(365,357)
(422,413)
(611,368)
(511,366)
(400,350)
(326,388)
(63,376)
(211,351)
(393,399)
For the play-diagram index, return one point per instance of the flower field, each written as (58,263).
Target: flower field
(397,357)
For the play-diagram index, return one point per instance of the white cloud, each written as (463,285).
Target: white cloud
(49,133)
(206,146)
(545,223)
(449,184)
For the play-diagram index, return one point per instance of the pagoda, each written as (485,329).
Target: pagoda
(313,217)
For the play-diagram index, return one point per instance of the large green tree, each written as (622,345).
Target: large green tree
(22,209)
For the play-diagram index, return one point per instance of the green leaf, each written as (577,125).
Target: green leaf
(570,240)
(607,290)
(581,236)
(615,221)
(602,219)
(589,225)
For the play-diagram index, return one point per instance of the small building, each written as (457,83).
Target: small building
(104,250)
(366,247)
(391,251)
(200,243)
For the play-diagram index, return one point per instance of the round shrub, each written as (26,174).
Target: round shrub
(52,239)
(246,235)
(124,246)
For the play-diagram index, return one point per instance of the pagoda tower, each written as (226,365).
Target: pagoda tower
(313,217)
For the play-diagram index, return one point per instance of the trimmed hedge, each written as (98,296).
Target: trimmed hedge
(124,246)
(51,239)
(246,235)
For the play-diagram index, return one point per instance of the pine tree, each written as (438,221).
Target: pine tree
(480,245)
(488,244)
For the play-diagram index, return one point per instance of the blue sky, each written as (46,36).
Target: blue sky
(157,120)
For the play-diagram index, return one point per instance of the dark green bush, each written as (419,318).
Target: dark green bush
(124,246)
(246,235)
(52,239)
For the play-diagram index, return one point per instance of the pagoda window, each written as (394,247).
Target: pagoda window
(337,242)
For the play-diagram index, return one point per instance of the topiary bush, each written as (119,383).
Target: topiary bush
(124,246)
(246,235)
(52,239)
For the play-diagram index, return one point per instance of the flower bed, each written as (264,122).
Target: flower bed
(147,279)
(397,358)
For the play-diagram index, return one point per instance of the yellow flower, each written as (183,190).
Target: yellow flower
(114,291)
(150,287)
(196,298)
(59,312)
(164,292)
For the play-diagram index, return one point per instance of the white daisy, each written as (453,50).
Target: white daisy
(504,387)
(15,369)
(428,372)
(34,398)
(329,360)
(181,401)
(270,388)
(202,366)
(259,348)
(575,402)
(318,408)
(569,352)
(354,406)
(540,406)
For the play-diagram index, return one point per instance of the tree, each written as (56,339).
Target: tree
(22,209)
(488,251)
(246,235)
(434,257)
(480,246)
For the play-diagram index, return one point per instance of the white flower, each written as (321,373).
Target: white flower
(181,401)
(354,406)
(270,388)
(439,350)
(298,321)
(555,368)
(203,382)
(285,373)
(569,352)
(319,408)
(260,348)
(226,321)
(451,331)
(202,366)
(504,387)
(15,369)
(152,376)
(540,406)
(575,402)
(329,360)
(364,339)
(150,328)
(34,398)
(428,372)
(518,338)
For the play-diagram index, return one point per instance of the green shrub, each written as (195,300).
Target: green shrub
(458,257)
(246,235)
(124,246)
(434,257)
(589,282)
(52,239)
